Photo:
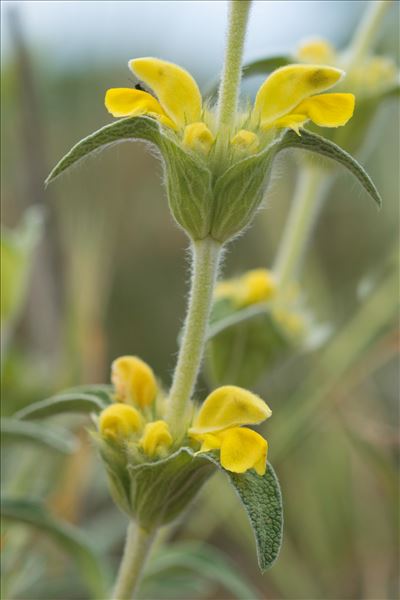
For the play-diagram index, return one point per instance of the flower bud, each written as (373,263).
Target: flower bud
(134,381)
(119,421)
(198,137)
(156,438)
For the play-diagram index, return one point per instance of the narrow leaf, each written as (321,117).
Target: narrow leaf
(70,539)
(262,501)
(263,66)
(319,145)
(13,430)
(188,181)
(62,403)
(132,128)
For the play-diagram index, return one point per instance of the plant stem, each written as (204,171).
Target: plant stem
(137,546)
(311,188)
(365,33)
(232,71)
(206,256)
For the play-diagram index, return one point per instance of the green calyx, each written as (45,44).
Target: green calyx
(216,195)
(154,493)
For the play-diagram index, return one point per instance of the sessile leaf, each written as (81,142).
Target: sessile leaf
(74,402)
(188,180)
(262,500)
(320,145)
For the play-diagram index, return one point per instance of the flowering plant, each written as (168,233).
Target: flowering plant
(157,447)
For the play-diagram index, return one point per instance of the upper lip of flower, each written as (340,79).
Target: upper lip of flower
(218,425)
(289,97)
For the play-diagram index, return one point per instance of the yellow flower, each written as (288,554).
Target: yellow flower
(257,285)
(134,381)
(156,438)
(218,425)
(119,421)
(289,97)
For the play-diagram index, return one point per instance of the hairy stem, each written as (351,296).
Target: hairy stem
(366,32)
(311,188)
(232,71)
(137,546)
(206,256)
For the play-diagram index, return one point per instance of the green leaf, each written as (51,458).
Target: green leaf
(319,145)
(202,560)
(70,539)
(13,430)
(104,391)
(263,66)
(262,500)
(134,128)
(188,180)
(243,343)
(62,403)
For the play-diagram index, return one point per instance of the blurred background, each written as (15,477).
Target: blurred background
(98,271)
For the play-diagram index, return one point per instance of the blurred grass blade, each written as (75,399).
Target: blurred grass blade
(136,128)
(13,430)
(17,248)
(62,403)
(206,562)
(319,145)
(374,315)
(70,539)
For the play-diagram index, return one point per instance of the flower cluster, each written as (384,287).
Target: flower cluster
(259,286)
(289,97)
(134,421)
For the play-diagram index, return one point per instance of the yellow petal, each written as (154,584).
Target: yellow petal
(286,87)
(246,140)
(126,102)
(316,50)
(134,381)
(174,87)
(119,421)
(156,438)
(328,110)
(257,285)
(291,121)
(197,136)
(228,406)
(209,441)
(243,449)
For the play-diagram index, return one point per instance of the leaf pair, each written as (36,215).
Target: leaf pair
(202,206)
